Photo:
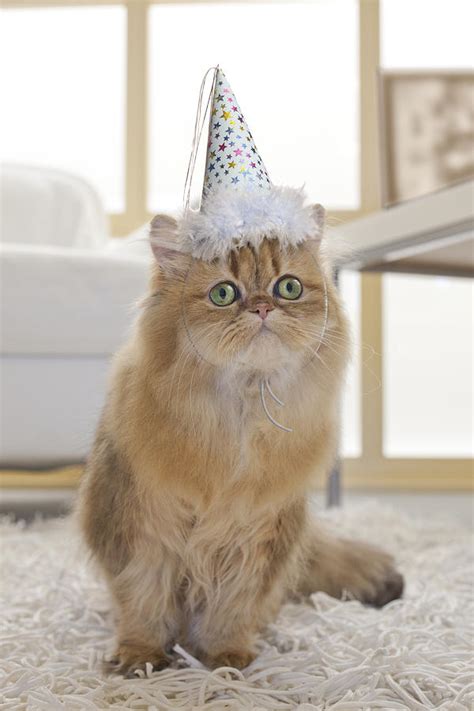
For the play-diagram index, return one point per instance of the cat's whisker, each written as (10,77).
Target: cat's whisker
(179,367)
(228,333)
(317,336)
(335,339)
(192,410)
(325,340)
(176,372)
(317,355)
(332,348)
(354,341)
(366,351)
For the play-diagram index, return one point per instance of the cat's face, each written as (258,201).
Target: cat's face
(255,310)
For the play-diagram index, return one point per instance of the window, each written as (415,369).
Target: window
(63,100)
(297,87)
(426,34)
(428,358)
(349,285)
(427,320)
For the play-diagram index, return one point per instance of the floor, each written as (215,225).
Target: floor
(459,506)
(27,503)
(411,654)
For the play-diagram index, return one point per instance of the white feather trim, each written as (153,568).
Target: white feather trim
(230,219)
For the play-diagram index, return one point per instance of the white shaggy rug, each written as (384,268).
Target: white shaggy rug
(413,654)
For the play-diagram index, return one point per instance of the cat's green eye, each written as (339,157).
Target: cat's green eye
(223,294)
(288,287)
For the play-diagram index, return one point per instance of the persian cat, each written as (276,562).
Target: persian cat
(195,496)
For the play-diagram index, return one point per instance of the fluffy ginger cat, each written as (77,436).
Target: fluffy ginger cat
(194,503)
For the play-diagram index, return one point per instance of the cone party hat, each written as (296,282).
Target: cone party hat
(232,156)
(239,205)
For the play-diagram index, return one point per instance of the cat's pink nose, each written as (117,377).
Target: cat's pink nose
(262,309)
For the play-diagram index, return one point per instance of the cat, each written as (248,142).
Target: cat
(194,502)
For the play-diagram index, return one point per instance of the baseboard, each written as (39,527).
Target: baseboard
(61,477)
(386,475)
(409,474)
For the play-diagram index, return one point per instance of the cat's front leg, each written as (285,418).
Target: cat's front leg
(149,617)
(225,633)
(248,588)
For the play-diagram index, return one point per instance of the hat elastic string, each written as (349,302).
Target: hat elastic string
(198,128)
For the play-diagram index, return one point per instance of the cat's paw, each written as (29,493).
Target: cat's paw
(239,659)
(132,657)
(373,578)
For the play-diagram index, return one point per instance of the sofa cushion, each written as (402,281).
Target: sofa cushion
(61,300)
(45,206)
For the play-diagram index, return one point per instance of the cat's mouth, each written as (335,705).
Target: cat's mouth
(263,330)
(264,351)
(264,337)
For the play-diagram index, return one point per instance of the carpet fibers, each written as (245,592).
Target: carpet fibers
(416,653)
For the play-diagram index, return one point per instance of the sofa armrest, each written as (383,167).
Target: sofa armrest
(61,300)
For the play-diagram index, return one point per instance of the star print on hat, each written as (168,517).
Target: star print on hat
(232,156)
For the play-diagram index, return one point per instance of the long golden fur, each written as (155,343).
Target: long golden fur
(193,502)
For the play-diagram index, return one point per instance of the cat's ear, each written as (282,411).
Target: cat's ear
(319,217)
(315,236)
(164,242)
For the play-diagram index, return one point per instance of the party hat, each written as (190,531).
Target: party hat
(240,205)
(232,156)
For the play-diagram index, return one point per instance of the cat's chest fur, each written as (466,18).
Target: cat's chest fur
(210,437)
(241,421)
(229,445)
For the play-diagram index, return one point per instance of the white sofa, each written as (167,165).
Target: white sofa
(68,297)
